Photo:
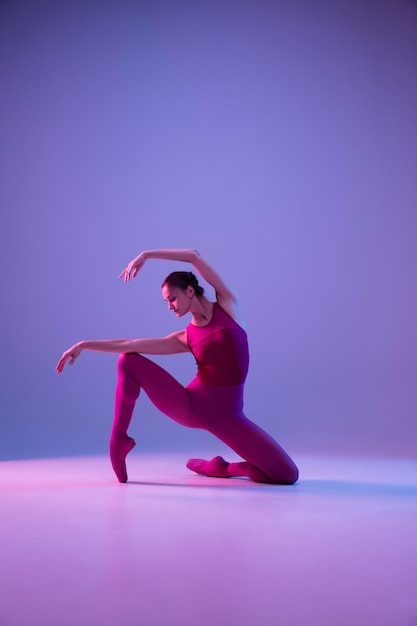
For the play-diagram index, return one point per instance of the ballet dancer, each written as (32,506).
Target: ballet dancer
(213,400)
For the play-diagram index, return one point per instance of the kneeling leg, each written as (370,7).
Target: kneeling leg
(265,460)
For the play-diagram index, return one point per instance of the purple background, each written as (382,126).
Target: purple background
(280,139)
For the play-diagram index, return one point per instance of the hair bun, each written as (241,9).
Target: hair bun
(182,280)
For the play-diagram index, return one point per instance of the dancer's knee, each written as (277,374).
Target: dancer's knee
(125,361)
(283,473)
(292,475)
(128,384)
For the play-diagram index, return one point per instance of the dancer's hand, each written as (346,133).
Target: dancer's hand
(133,268)
(71,354)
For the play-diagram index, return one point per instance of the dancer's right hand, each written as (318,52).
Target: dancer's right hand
(133,268)
(71,354)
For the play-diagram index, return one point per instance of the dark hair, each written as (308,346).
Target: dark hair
(182,280)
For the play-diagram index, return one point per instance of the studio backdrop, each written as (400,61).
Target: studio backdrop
(277,138)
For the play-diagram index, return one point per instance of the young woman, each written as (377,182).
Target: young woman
(214,399)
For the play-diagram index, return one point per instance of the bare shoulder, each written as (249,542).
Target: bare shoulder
(229,302)
(225,297)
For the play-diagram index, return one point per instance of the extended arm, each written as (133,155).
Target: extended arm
(225,296)
(171,344)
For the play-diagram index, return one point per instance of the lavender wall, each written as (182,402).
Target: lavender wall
(279,138)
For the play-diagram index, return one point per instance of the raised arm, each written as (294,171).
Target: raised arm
(226,298)
(171,344)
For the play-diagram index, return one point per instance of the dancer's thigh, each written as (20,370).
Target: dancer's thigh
(251,443)
(164,391)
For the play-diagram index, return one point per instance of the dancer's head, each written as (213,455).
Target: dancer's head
(179,289)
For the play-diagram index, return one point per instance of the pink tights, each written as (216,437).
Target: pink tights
(216,409)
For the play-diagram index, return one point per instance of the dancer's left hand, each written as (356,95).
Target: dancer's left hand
(133,268)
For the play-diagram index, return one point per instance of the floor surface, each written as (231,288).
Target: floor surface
(170,548)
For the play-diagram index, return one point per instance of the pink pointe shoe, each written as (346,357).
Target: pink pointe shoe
(120,446)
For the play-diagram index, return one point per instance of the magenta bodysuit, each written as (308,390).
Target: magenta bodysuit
(212,401)
(220,349)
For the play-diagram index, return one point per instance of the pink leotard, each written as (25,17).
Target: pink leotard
(213,400)
(220,349)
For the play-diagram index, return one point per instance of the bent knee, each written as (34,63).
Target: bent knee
(292,475)
(287,475)
(125,359)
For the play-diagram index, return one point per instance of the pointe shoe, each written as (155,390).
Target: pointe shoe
(119,449)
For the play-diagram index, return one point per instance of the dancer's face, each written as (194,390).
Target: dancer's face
(179,301)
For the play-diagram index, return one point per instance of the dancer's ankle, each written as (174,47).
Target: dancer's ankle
(216,468)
